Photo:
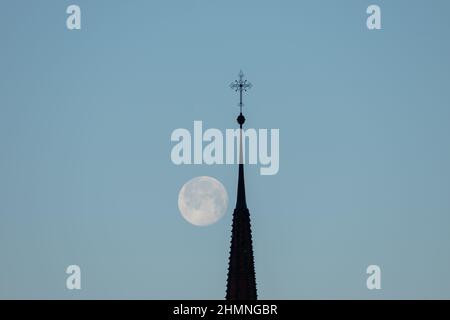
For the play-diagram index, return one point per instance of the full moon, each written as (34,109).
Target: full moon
(203,201)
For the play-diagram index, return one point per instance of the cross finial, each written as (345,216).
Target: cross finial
(240,86)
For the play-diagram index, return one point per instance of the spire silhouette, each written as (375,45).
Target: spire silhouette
(241,282)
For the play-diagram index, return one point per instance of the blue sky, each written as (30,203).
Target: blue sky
(85,123)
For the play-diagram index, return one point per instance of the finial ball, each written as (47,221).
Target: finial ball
(241,119)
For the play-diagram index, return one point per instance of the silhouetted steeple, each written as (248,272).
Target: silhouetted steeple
(241,282)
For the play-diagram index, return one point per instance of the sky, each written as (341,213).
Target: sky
(86,118)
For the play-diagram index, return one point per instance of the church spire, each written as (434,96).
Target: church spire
(241,282)
(241,86)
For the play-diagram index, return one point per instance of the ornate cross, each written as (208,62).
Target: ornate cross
(240,85)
